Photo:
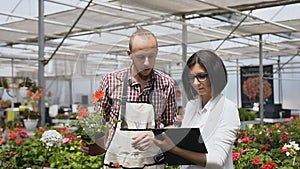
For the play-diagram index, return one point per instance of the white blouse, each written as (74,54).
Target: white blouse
(218,122)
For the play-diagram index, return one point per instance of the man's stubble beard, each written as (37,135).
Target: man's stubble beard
(143,77)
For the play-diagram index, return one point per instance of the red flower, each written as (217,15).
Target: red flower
(117,165)
(283,150)
(269,165)
(256,161)
(98,95)
(12,136)
(246,140)
(12,154)
(285,137)
(248,147)
(263,148)
(18,142)
(62,128)
(41,129)
(242,134)
(2,141)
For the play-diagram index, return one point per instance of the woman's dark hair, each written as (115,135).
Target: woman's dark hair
(215,68)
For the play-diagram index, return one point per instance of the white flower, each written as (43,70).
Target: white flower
(295,145)
(292,148)
(51,138)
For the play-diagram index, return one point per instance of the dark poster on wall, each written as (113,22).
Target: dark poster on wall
(250,85)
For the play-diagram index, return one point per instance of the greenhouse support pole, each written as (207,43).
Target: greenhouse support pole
(261,87)
(41,78)
(237,83)
(279,81)
(184,54)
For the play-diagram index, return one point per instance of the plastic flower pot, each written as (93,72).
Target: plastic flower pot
(30,124)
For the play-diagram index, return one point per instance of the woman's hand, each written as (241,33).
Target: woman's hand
(164,142)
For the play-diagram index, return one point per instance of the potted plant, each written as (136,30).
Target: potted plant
(92,126)
(30,117)
(3,85)
(24,86)
(246,115)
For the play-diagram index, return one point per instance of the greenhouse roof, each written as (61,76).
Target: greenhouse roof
(97,43)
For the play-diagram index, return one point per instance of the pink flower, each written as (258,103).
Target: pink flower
(235,156)
(269,131)
(285,137)
(241,151)
(67,131)
(24,134)
(68,139)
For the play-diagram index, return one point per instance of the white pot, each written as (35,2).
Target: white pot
(23,92)
(30,124)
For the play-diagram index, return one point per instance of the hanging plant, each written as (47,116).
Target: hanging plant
(3,82)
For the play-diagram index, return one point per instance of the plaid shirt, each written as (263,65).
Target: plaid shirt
(162,96)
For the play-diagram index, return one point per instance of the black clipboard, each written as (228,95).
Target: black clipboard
(186,138)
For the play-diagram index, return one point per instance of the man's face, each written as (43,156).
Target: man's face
(143,55)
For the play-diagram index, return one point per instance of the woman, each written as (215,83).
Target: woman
(204,79)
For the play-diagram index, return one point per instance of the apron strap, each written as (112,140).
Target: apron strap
(123,101)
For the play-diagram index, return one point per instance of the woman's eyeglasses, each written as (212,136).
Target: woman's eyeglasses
(201,77)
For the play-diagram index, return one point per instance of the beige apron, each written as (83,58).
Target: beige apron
(137,116)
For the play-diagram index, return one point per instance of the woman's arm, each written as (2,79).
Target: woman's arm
(197,158)
(166,144)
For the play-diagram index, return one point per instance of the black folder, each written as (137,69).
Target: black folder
(186,138)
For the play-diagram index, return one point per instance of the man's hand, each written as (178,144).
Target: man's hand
(93,149)
(143,142)
(164,142)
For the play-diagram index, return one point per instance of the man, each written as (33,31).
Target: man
(140,97)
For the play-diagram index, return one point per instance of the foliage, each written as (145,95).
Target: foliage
(19,150)
(29,113)
(91,124)
(246,115)
(3,82)
(266,146)
(30,110)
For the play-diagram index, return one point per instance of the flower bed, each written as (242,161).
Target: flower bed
(257,147)
(59,148)
(268,146)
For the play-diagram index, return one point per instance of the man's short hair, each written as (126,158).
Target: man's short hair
(140,32)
